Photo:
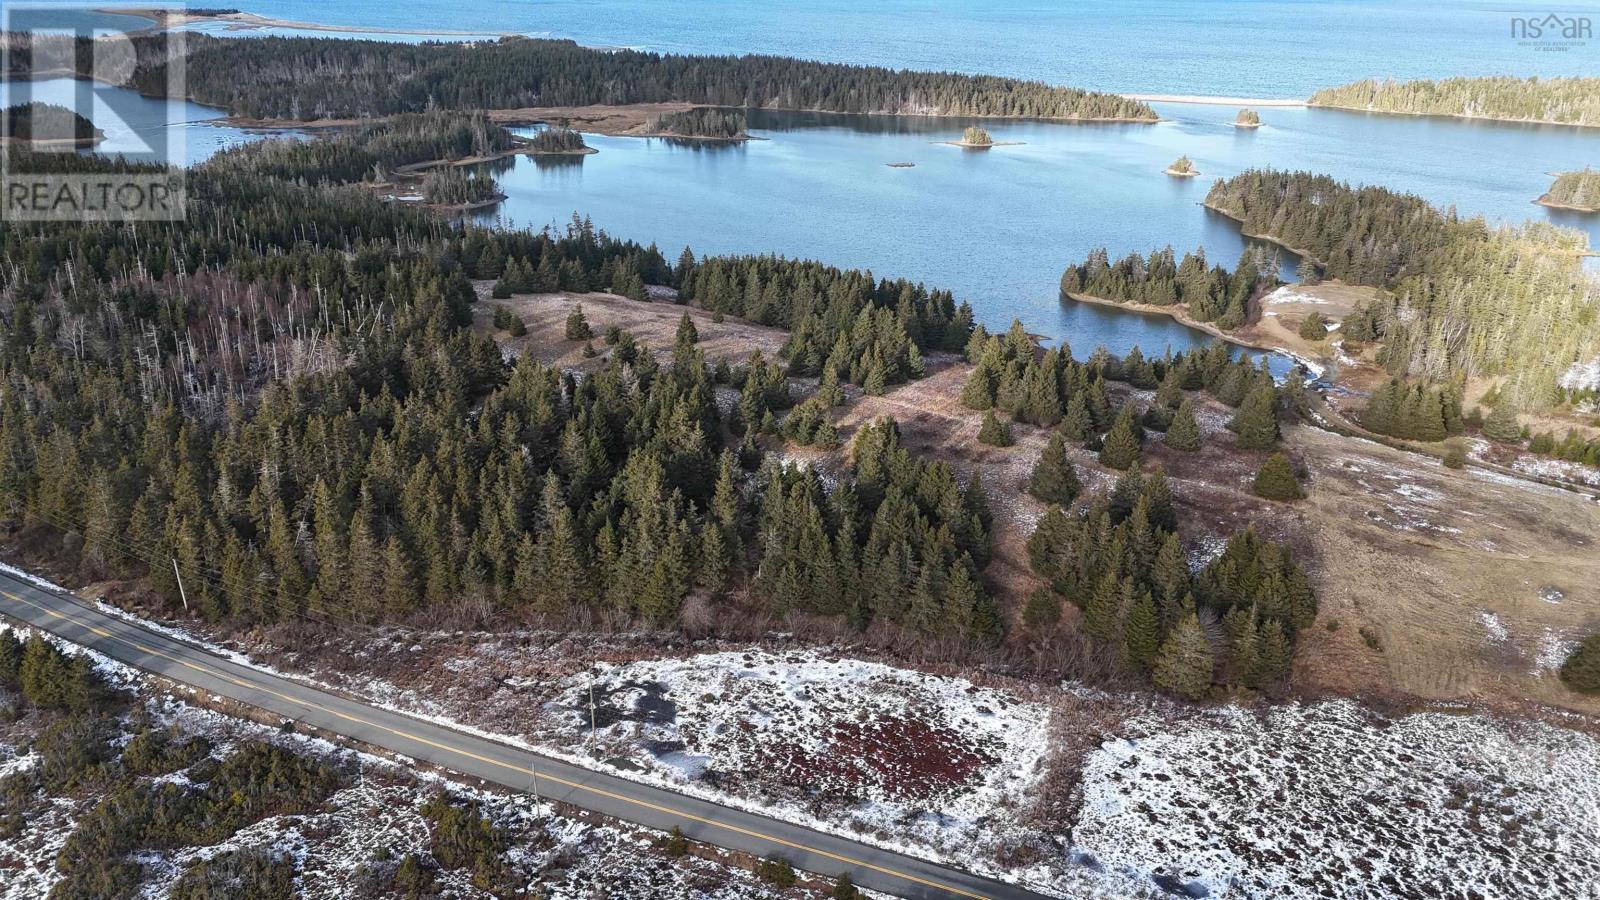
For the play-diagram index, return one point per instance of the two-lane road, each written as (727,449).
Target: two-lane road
(646,805)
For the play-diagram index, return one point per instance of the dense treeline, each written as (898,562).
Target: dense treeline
(1212,294)
(309,78)
(702,122)
(1050,389)
(284,397)
(1570,101)
(901,540)
(1122,565)
(558,139)
(868,333)
(1578,190)
(455,186)
(369,151)
(1462,299)
(1415,411)
(45,122)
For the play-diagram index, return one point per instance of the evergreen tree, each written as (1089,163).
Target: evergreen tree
(1501,424)
(1141,636)
(1121,448)
(1276,480)
(1042,610)
(577,326)
(994,432)
(1256,422)
(1184,432)
(1184,663)
(1053,479)
(687,333)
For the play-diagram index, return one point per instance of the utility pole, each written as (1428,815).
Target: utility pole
(591,713)
(535,773)
(181,592)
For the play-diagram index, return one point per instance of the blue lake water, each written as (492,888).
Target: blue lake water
(997,226)
(135,126)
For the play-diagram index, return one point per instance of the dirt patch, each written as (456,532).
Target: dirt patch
(654,324)
(1439,583)
(630,119)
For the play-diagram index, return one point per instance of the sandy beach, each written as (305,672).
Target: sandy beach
(1214,101)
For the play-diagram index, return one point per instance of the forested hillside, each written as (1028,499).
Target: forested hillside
(1569,101)
(282,395)
(310,78)
(1466,299)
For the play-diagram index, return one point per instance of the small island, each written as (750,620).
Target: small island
(975,138)
(900,165)
(452,189)
(1247,118)
(47,125)
(558,140)
(702,123)
(1578,191)
(1182,168)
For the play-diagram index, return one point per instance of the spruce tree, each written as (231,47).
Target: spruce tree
(1042,610)
(1276,480)
(1053,479)
(994,432)
(1501,424)
(687,333)
(577,326)
(1184,432)
(1121,448)
(1078,423)
(1141,633)
(1184,663)
(1256,422)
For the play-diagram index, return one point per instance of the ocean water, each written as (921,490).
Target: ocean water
(1253,48)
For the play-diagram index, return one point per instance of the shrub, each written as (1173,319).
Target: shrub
(1314,328)
(1276,480)
(676,844)
(1581,671)
(776,872)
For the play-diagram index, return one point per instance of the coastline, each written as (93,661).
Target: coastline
(79,143)
(1544,201)
(968,145)
(1179,313)
(164,19)
(1427,115)
(1191,173)
(1202,100)
(1275,241)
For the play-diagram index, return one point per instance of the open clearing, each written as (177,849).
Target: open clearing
(654,324)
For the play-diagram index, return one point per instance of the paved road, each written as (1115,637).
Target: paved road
(508,766)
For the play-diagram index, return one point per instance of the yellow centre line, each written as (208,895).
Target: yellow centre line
(495,762)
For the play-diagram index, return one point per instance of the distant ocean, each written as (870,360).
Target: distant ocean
(1254,48)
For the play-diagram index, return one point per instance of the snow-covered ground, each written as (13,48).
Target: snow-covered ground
(1318,800)
(364,828)
(1334,800)
(882,751)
